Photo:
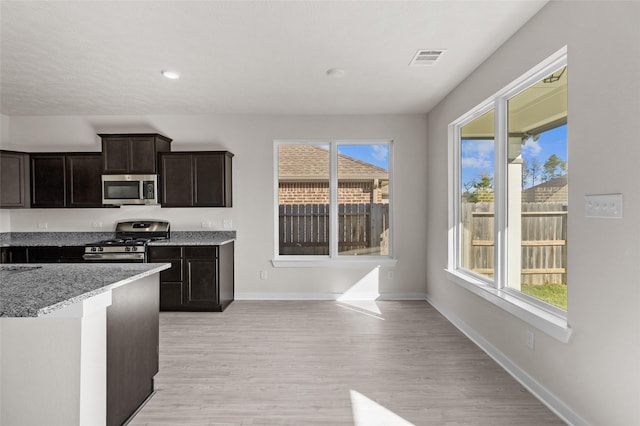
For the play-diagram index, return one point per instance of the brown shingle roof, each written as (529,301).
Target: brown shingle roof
(310,162)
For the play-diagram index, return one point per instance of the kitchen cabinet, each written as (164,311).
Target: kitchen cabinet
(200,279)
(42,254)
(14,179)
(84,185)
(66,180)
(132,153)
(171,280)
(196,179)
(13,255)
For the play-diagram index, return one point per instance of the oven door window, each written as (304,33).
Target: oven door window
(122,190)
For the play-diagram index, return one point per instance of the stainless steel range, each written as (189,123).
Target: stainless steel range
(130,242)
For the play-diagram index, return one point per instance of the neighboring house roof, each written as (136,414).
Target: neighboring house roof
(558,182)
(551,191)
(309,162)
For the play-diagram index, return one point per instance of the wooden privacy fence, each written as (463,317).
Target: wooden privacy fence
(543,240)
(304,228)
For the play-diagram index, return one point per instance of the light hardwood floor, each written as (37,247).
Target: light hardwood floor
(326,363)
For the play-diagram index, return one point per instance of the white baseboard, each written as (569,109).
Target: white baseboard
(324,296)
(538,390)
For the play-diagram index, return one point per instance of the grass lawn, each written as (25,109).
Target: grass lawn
(556,294)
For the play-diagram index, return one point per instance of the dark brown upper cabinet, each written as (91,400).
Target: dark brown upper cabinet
(196,179)
(66,180)
(14,179)
(132,153)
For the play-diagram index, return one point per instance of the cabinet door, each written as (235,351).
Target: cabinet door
(209,182)
(115,155)
(14,179)
(84,185)
(177,180)
(71,254)
(13,255)
(201,269)
(143,155)
(47,181)
(44,254)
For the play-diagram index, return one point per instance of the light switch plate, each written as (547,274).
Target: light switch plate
(603,206)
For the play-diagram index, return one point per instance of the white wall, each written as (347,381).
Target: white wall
(596,374)
(250,138)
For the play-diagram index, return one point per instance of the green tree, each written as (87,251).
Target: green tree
(554,167)
(480,189)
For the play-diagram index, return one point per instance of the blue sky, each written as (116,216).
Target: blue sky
(477,155)
(378,155)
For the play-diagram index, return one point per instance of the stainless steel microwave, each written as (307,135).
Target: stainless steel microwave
(130,189)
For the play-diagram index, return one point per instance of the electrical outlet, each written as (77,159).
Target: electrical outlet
(263,275)
(205,224)
(391,275)
(603,206)
(43,225)
(530,339)
(96,224)
(227,224)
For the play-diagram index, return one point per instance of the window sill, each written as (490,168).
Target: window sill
(550,324)
(325,261)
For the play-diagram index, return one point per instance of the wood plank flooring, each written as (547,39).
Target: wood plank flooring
(327,363)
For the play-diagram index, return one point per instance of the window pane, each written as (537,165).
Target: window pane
(363,199)
(477,197)
(303,199)
(537,190)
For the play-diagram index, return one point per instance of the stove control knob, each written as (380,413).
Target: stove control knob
(100,248)
(127,249)
(93,249)
(134,248)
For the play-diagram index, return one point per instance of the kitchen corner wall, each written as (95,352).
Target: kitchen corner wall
(250,138)
(596,375)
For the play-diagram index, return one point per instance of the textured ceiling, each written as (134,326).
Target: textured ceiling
(262,57)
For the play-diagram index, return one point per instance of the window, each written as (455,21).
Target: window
(509,208)
(333,199)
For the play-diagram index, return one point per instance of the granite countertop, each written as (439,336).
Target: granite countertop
(196,238)
(32,290)
(65,239)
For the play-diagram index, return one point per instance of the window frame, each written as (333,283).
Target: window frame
(334,258)
(545,317)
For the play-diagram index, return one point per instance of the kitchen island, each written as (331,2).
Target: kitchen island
(78,342)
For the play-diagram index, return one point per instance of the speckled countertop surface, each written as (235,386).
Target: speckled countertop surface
(196,238)
(32,290)
(187,238)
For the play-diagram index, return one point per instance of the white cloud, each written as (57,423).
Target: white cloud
(477,154)
(380,152)
(531,147)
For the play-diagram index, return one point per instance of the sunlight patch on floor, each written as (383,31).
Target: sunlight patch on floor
(367,412)
(361,297)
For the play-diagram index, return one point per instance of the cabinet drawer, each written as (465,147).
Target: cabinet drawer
(164,253)
(209,252)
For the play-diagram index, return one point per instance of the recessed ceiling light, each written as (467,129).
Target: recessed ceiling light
(336,72)
(171,75)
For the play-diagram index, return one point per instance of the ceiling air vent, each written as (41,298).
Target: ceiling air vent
(426,57)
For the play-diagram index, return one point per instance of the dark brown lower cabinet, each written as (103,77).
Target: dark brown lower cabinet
(42,254)
(132,347)
(13,255)
(200,279)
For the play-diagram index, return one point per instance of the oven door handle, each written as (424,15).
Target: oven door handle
(113,256)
